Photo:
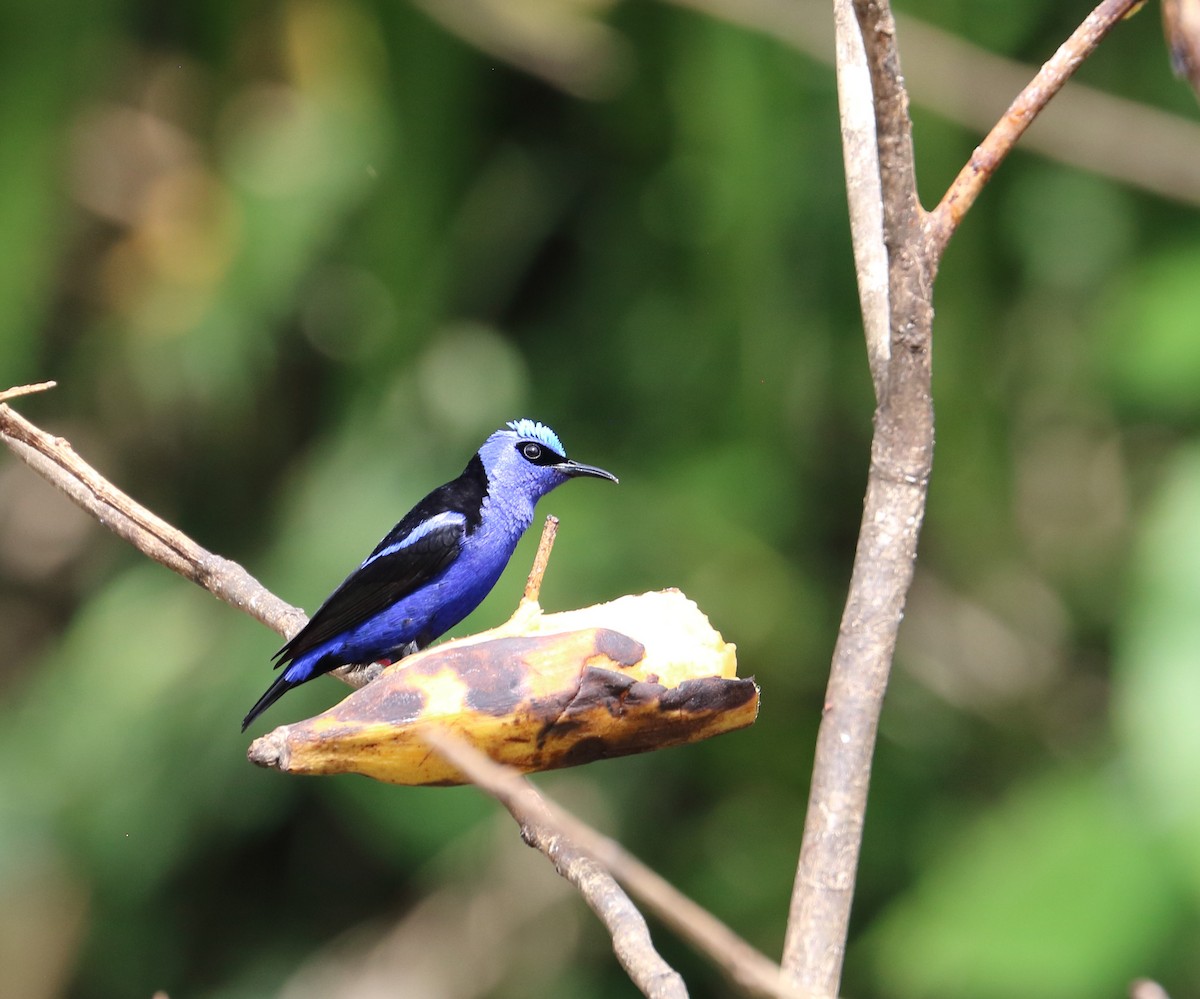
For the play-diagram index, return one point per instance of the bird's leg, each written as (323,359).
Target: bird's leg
(370,671)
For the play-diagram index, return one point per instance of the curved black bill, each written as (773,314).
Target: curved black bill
(574,468)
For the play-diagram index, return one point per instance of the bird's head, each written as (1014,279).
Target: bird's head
(528,456)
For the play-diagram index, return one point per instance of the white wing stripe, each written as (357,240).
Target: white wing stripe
(449,518)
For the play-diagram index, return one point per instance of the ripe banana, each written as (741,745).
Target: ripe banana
(542,691)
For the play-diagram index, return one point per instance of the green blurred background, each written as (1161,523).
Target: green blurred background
(291,261)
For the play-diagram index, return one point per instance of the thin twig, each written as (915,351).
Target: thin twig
(19,390)
(989,154)
(897,485)
(1130,142)
(630,935)
(56,461)
(533,585)
(542,821)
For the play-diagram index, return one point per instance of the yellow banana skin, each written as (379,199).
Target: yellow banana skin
(542,691)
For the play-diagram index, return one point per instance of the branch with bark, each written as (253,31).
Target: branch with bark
(898,247)
(912,242)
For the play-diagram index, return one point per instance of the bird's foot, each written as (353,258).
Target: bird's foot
(371,671)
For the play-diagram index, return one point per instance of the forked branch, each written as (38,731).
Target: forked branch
(543,822)
(911,242)
(901,458)
(901,451)
(989,154)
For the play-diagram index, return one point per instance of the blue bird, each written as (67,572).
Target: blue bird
(436,565)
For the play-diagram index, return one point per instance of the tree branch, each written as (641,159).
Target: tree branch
(630,935)
(19,390)
(1127,141)
(56,461)
(901,209)
(989,154)
(860,157)
(544,824)
(897,484)
(541,559)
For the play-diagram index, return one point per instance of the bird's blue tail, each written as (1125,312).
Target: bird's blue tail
(280,687)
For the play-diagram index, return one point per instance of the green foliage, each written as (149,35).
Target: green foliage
(1056,891)
(1156,682)
(1151,357)
(289,263)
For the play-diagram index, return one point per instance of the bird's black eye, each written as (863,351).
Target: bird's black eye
(531,451)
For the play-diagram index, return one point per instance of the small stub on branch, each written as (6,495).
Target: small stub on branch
(533,585)
(1181,24)
(19,390)
(540,692)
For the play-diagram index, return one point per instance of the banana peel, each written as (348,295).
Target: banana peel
(541,691)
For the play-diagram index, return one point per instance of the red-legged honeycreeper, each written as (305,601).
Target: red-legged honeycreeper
(436,565)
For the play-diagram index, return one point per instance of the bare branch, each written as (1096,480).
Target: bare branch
(533,585)
(901,209)
(564,44)
(1128,141)
(989,154)
(865,198)
(20,390)
(627,927)
(1181,26)
(901,461)
(541,822)
(55,460)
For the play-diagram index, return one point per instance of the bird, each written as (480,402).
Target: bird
(436,565)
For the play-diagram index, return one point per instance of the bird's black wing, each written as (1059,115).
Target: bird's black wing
(395,569)
(423,544)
